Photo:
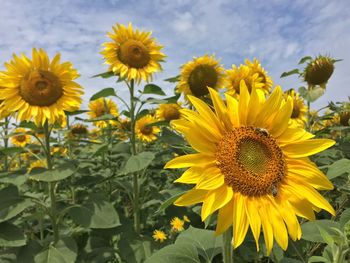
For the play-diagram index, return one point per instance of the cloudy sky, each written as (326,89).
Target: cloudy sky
(277,32)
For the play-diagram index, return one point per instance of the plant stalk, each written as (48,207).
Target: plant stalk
(6,143)
(227,250)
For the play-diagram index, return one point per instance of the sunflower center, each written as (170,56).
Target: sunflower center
(146,130)
(20,138)
(251,161)
(134,54)
(41,88)
(171,113)
(296,111)
(201,77)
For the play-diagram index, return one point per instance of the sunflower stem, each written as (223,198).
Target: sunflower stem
(136,205)
(6,143)
(227,251)
(51,185)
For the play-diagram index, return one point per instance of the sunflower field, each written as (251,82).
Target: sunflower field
(229,168)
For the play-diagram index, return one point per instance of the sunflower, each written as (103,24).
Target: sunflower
(236,75)
(3,111)
(39,89)
(159,235)
(263,78)
(251,165)
(177,225)
(168,112)
(318,71)
(144,132)
(37,164)
(199,74)
(298,116)
(79,130)
(21,139)
(132,54)
(100,107)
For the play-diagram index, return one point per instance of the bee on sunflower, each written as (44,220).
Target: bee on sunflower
(39,89)
(132,54)
(252,166)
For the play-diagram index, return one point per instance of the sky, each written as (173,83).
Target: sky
(276,32)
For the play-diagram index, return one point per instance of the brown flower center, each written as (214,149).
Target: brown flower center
(134,54)
(171,113)
(20,138)
(146,130)
(41,88)
(296,110)
(251,161)
(202,77)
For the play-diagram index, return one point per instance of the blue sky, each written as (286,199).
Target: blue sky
(277,32)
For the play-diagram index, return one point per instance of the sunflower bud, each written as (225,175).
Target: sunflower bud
(319,71)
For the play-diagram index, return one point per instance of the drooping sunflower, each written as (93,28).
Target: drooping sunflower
(79,130)
(236,75)
(22,139)
(263,77)
(199,74)
(298,116)
(251,165)
(132,54)
(39,89)
(100,107)
(168,112)
(318,71)
(144,132)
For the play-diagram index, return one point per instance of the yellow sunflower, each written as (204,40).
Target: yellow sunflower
(251,165)
(298,116)
(199,74)
(132,54)
(177,225)
(22,139)
(168,112)
(79,130)
(263,77)
(3,111)
(37,164)
(100,107)
(159,235)
(236,75)
(144,132)
(39,89)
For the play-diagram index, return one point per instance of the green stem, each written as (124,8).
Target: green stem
(227,251)
(51,184)
(6,143)
(136,208)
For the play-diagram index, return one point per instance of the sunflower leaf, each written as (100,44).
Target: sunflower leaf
(338,168)
(288,73)
(103,93)
(138,162)
(153,89)
(105,75)
(304,59)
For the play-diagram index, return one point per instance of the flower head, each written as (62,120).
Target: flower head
(252,166)
(159,235)
(168,112)
(21,139)
(177,225)
(144,131)
(319,70)
(100,107)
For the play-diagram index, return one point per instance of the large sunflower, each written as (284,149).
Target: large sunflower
(39,89)
(100,107)
(199,74)
(20,139)
(144,132)
(298,116)
(251,165)
(132,54)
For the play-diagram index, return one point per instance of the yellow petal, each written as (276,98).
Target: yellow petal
(240,221)
(190,176)
(193,196)
(267,228)
(306,148)
(196,159)
(232,110)
(210,179)
(220,107)
(224,218)
(252,207)
(243,103)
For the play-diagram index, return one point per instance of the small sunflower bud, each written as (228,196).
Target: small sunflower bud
(319,70)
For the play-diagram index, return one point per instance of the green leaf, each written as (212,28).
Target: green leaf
(177,253)
(344,217)
(74,113)
(95,213)
(312,94)
(138,162)
(173,79)
(62,172)
(11,203)
(103,93)
(326,236)
(135,250)
(304,59)
(27,253)
(105,75)
(11,150)
(153,89)
(317,259)
(310,230)
(338,168)
(100,149)
(158,123)
(17,178)
(64,251)
(169,202)
(171,138)
(205,241)
(288,73)
(11,236)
